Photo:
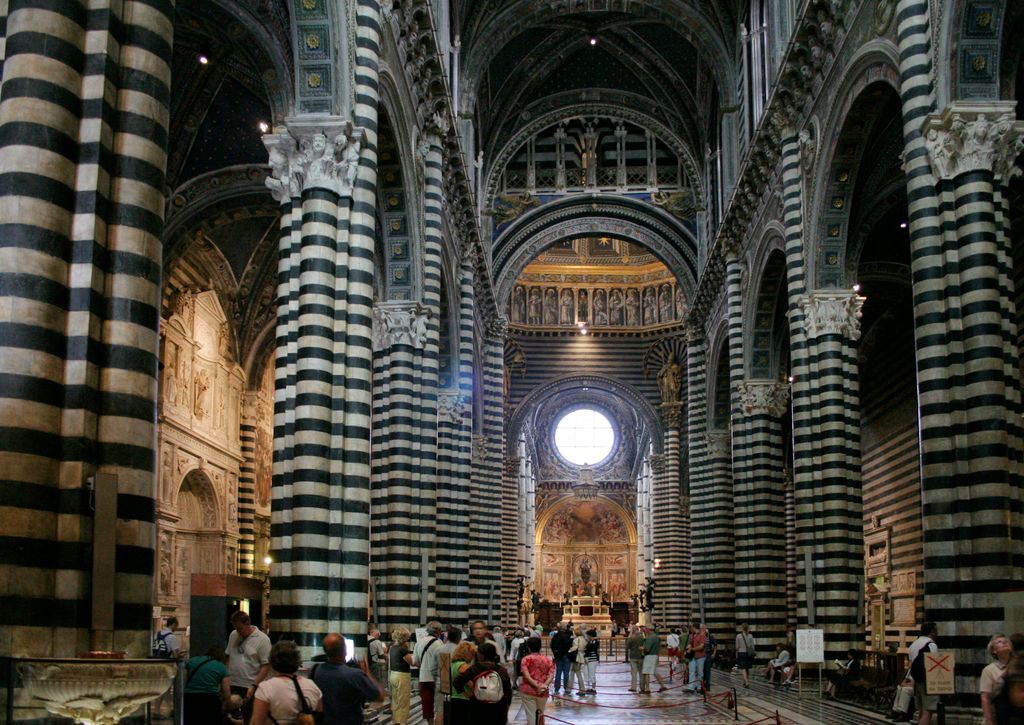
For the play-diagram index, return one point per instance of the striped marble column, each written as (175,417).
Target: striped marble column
(969,383)
(711,543)
(494,582)
(247,485)
(829,506)
(405,428)
(321,494)
(83,126)
(759,507)
(672,595)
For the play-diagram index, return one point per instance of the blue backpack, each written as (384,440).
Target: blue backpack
(160,648)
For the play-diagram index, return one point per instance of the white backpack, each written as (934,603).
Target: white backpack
(487,687)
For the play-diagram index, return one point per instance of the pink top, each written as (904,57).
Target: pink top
(540,667)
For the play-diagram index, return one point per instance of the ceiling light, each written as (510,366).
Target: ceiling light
(203,59)
(791,378)
(593,40)
(267,560)
(856,287)
(903,225)
(264,127)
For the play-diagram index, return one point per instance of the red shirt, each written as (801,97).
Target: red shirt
(698,643)
(540,667)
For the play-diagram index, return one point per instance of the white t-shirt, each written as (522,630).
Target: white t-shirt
(246,655)
(425,657)
(672,641)
(279,693)
(171,640)
(915,648)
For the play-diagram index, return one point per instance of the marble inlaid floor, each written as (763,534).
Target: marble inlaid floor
(761,704)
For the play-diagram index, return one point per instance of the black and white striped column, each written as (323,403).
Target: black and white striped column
(711,544)
(672,595)
(828,499)
(321,489)
(83,131)
(247,485)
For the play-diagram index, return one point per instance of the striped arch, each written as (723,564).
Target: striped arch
(607,215)
(848,144)
(767,317)
(719,411)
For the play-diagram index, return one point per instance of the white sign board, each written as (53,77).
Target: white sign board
(939,667)
(421,634)
(810,645)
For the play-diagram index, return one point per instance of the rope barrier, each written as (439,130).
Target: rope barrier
(770,719)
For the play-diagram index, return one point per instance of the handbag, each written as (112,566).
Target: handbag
(904,696)
(305,715)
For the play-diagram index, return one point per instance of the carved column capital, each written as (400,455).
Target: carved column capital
(832,313)
(479,450)
(316,152)
(657,463)
(718,443)
(760,397)
(672,415)
(399,323)
(497,326)
(974,137)
(512,466)
(453,408)
(693,332)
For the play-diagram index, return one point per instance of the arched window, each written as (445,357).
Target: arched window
(757,62)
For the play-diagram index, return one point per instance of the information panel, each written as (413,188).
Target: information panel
(810,646)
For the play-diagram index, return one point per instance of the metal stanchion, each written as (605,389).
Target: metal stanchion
(735,703)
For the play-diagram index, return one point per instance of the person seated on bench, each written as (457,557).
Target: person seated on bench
(777,665)
(847,671)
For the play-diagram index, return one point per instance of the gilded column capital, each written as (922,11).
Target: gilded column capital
(760,397)
(399,323)
(316,152)
(974,137)
(832,313)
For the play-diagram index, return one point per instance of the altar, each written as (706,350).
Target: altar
(588,612)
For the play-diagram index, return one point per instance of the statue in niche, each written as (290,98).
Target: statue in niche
(665,301)
(567,317)
(582,310)
(170,374)
(550,306)
(519,305)
(670,380)
(650,307)
(184,379)
(680,303)
(615,307)
(221,409)
(224,342)
(600,308)
(633,308)
(166,570)
(535,315)
(202,386)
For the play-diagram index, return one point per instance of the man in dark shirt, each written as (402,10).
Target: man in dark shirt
(346,689)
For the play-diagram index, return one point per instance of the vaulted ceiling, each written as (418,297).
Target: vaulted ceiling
(671,59)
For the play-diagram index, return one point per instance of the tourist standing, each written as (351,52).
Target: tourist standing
(635,655)
(378,652)
(280,699)
(345,688)
(538,671)
(248,653)
(514,658)
(926,704)
(1010,702)
(992,677)
(672,645)
(592,658)
(424,657)
(462,657)
(577,654)
(652,651)
(698,650)
(481,712)
(711,651)
(561,641)
(400,677)
(746,646)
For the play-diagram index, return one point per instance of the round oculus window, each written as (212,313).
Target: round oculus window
(584,437)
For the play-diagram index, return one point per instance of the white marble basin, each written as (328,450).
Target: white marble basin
(95,692)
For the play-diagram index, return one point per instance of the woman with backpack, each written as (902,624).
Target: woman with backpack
(489,686)
(463,657)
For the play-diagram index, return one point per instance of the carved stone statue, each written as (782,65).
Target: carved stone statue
(519,305)
(202,386)
(650,307)
(581,311)
(567,308)
(670,380)
(665,303)
(633,308)
(600,308)
(615,307)
(534,317)
(550,306)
